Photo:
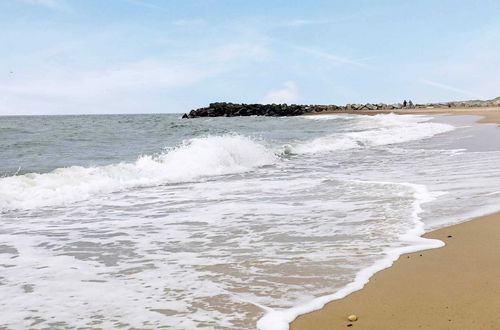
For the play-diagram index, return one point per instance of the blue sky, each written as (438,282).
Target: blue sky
(139,56)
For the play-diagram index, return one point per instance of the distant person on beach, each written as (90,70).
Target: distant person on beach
(404,104)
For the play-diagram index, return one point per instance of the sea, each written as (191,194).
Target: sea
(153,221)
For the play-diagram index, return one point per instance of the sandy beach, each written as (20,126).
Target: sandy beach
(489,114)
(454,287)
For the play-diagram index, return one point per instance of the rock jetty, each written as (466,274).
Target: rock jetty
(226,109)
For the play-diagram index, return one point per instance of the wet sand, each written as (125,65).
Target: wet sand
(454,287)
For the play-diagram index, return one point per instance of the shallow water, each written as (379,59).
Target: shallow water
(153,221)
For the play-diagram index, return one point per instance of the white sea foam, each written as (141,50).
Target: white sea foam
(280,319)
(326,117)
(249,224)
(195,158)
(375,130)
(199,157)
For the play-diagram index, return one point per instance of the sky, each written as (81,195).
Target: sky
(171,56)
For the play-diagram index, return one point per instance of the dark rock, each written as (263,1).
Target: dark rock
(225,109)
(230,109)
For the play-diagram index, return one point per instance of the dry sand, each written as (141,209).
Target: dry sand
(454,287)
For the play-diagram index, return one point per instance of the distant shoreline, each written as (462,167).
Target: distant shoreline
(490,114)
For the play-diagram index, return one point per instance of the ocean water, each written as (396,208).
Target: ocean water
(151,221)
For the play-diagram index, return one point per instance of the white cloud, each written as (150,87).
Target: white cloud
(63,90)
(288,94)
(138,86)
(127,77)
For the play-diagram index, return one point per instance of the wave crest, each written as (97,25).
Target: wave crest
(193,159)
(375,130)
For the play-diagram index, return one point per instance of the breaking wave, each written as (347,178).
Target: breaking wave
(201,157)
(373,131)
(194,158)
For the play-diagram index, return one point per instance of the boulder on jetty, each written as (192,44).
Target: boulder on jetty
(227,109)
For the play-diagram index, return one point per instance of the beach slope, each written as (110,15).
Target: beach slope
(454,287)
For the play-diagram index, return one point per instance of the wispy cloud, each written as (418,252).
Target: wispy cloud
(46,3)
(288,94)
(70,83)
(136,86)
(145,4)
(301,22)
(189,22)
(331,57)
(315,21)
(254,51)
(125,88)
(451,88)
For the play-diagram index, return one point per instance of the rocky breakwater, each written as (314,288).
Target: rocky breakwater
(224,109)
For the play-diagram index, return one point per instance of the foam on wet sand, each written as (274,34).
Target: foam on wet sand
(454,287)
